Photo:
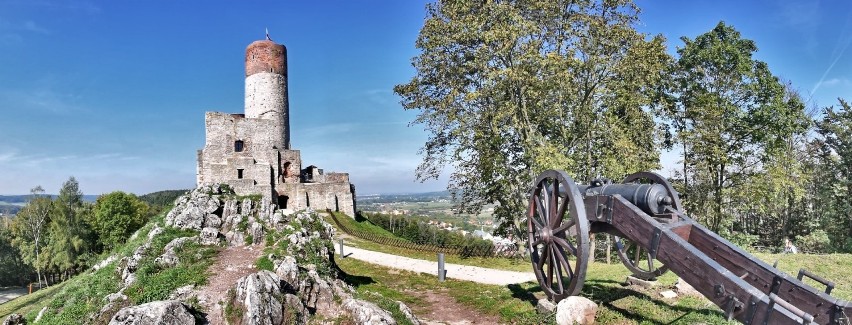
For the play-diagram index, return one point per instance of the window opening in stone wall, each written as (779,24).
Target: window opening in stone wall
(307,200)
(238,146)
(239,174)
(336,204)
(286,170)
(282,201)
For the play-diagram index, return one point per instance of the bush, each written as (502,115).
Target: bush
(815,242)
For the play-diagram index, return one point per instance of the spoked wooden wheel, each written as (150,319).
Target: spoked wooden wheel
(558,235)
(636,258)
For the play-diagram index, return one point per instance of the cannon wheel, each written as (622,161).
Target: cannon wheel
(558,229)
(636,258)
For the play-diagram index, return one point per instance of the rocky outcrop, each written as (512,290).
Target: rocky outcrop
(169,256)
(261,300)
(365,312)
(14,319)
(303,282)
(157,312)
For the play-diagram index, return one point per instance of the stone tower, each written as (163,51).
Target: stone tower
(251,152)
(266,87)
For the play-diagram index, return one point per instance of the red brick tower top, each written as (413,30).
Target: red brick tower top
(266,56)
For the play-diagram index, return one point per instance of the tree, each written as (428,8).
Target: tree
(508,89)
(733,118)
(29,228)
(13,270)
(835,178)
(116,216)
(70,239)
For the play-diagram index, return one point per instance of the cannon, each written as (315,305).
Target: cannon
(653,235)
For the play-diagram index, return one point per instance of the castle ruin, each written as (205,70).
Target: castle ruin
(251,152)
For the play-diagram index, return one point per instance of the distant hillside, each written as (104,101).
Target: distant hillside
(162,198)
(22,199)
(410,197)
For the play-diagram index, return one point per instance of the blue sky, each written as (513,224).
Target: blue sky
(114,92)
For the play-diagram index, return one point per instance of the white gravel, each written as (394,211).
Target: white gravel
(454,271)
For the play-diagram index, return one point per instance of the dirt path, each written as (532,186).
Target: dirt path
(454,271)
(231,264)
(443,309)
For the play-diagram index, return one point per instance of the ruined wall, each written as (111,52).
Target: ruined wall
(251,151)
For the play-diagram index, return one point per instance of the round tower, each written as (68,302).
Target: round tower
(266,87)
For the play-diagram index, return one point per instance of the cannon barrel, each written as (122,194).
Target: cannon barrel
(651,198)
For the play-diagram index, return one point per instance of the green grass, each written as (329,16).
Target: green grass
(73,301)
(516,303)
(833,267)
(360,224)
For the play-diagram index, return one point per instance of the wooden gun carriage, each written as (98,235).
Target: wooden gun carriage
(652,236)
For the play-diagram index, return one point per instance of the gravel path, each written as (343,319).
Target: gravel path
(454,271)
(10,294)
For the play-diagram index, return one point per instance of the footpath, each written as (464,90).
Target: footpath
(6,295)
(454,271)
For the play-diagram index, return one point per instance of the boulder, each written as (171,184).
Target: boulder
(14,319)
(294,310)
(157,312)
(668,294)
(257,295)
(209,236)
(365,312)
(576,310)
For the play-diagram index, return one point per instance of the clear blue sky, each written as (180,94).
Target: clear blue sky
(114,92)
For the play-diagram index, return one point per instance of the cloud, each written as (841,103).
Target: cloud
(833,82)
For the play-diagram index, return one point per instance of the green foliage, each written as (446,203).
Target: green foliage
(420,232)
(29,230)
(116,216)
(70,238)
(154,282)
(13,270)
(264,263)
(815,242)
(162,198)
(511,88)
(738,126)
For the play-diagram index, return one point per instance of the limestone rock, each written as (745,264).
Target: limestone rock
(668,294)
(169,256)
(575,309)
(294,310)
(183,293)
(684,288)
(545,306)
(257,295)
(408,313)
(209,236)
(365,312)
(157,312)
(14,319)
(40,314)
(631,280)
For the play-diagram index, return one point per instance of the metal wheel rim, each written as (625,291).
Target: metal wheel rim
(552,236)
(630,253)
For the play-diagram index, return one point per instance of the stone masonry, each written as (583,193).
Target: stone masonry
(251,152)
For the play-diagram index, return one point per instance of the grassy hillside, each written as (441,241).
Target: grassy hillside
(84,294)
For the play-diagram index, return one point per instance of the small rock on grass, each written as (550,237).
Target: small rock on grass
(668,294)
(631,280)
(545,306)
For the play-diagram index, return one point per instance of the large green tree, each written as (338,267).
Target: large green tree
(507,89)
(733,119)
(116,216)
(834,181)
(70,237)
(13,270)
